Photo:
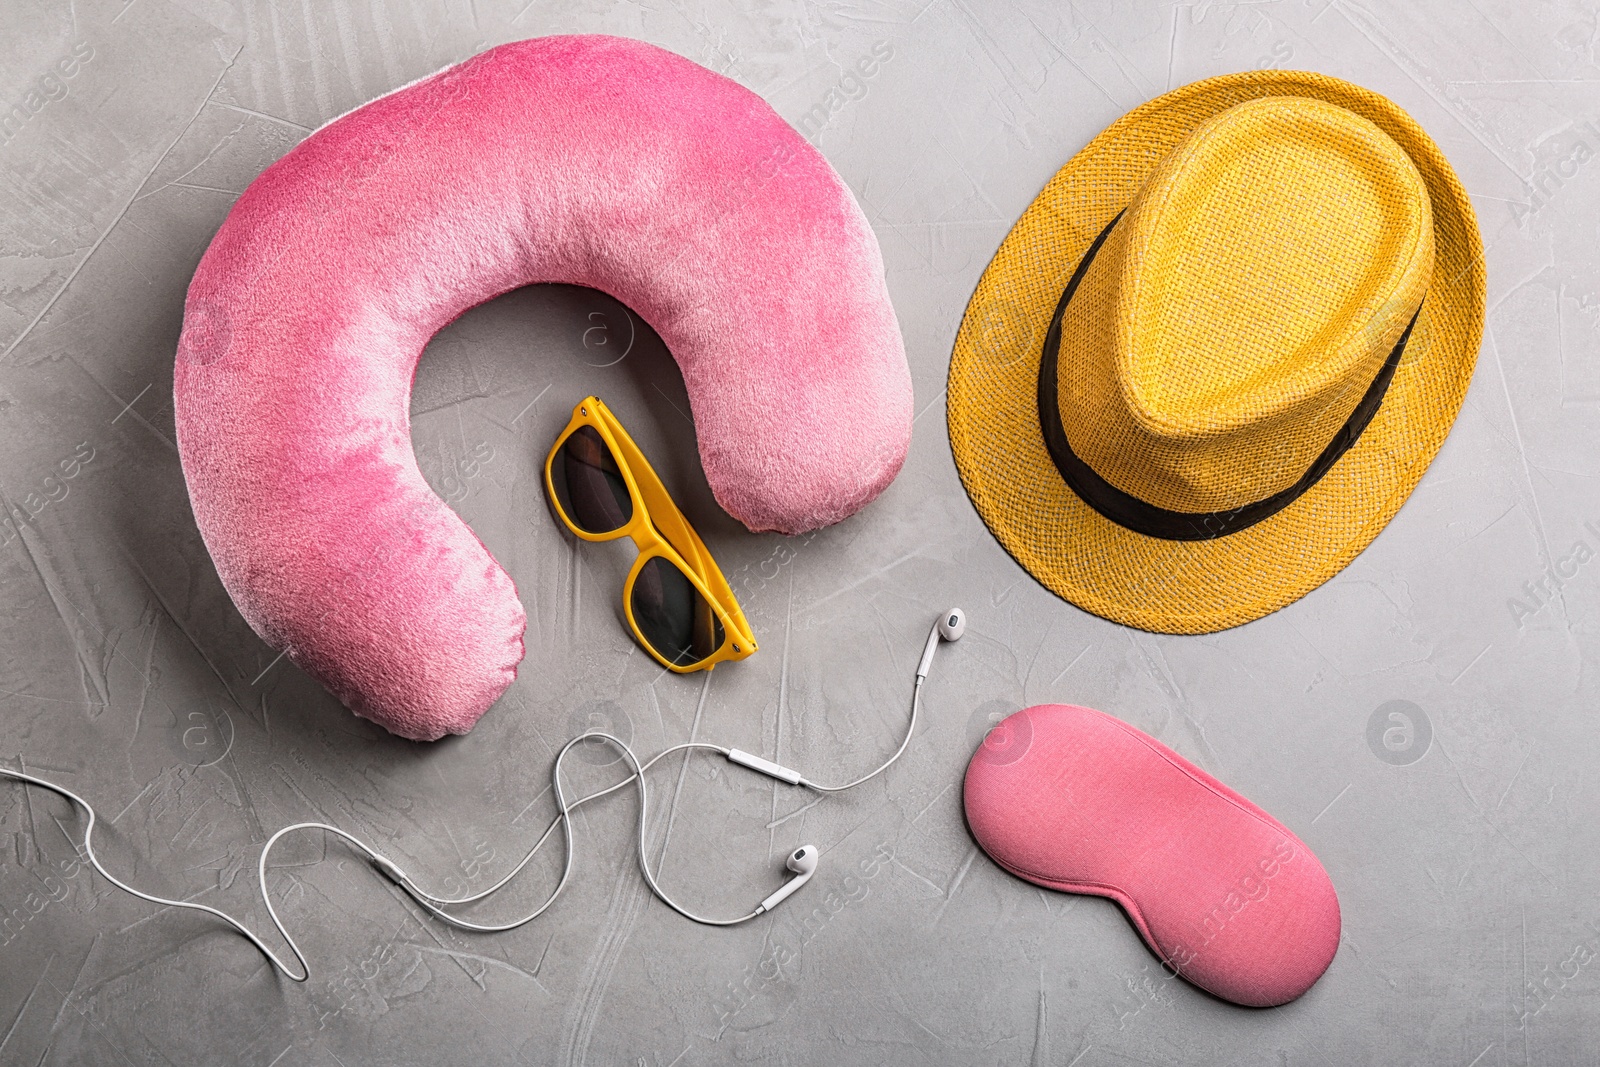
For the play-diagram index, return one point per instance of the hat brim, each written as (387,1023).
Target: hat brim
(1196,586)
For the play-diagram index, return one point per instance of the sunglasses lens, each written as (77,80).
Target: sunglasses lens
(672,616)
(588,485)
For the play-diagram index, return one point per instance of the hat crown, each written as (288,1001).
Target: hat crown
(1239,310)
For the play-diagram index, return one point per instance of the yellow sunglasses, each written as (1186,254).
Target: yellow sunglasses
(677,601)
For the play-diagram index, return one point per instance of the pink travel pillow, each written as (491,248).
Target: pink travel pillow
(1072,799)
(590,160)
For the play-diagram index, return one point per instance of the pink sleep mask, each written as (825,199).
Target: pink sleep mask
(1073,799)
(590,160)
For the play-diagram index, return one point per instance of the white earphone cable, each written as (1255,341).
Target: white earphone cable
(437,905)
(88,850)
(916,701)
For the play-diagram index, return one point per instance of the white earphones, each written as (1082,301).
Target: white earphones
(802,862)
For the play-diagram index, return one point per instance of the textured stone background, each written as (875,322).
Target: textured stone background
(1464,847)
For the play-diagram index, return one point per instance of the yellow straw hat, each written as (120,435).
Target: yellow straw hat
(1215,355)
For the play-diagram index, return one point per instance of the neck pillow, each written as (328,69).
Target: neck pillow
(1072,799)
(590,160)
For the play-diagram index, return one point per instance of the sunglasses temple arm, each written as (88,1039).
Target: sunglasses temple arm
(673,525)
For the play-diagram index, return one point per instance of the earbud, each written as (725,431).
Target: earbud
(803,862)
(951,625)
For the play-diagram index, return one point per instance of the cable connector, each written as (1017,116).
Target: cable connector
(387,868)
(766,767)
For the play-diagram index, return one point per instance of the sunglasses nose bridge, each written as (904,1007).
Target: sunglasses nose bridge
(647,552)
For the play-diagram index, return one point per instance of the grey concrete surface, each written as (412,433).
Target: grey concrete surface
(1461,836)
